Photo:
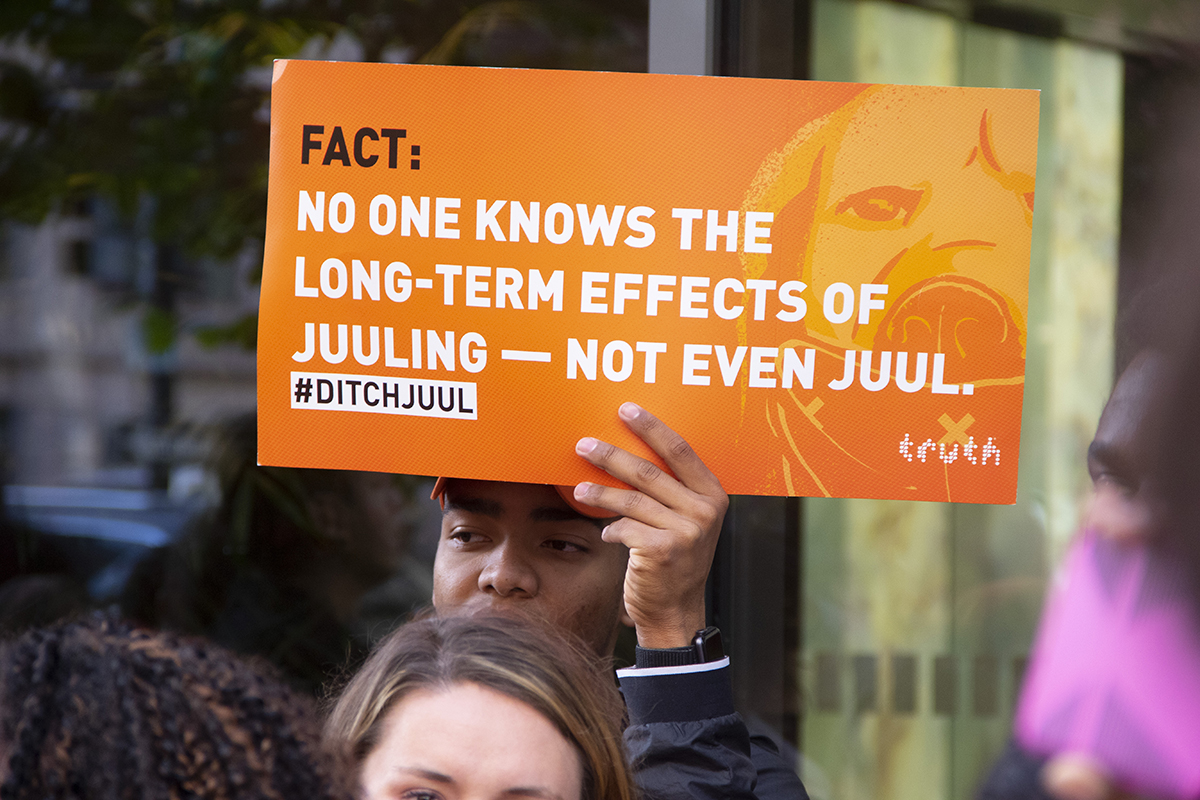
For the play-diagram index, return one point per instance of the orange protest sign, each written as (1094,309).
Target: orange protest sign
(822,286)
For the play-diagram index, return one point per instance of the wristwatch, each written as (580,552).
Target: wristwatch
(705,648)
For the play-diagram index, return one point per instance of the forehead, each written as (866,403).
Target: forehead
(1133,405)
(472,753)
(515,501)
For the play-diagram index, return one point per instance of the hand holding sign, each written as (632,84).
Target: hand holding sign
(670,525)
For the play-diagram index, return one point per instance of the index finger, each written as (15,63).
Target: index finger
(672,448)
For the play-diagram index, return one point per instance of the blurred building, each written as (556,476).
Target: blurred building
(77,377)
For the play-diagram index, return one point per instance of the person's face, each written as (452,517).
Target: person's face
(917,189)
(1124,507)
(517,548)
(469,743)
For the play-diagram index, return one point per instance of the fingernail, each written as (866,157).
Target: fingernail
(629,411)
(585,445)
(581,490)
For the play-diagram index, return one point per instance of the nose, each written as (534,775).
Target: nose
(508,574)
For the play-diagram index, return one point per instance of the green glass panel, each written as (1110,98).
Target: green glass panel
(932,606)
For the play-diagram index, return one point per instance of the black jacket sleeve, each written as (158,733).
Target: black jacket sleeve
(686,741)
(776,777)
(1016,775)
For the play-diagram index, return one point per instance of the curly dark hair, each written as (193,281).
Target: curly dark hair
(95,709)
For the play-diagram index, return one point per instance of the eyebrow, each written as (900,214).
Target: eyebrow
(1101,452)
(475,505)
(427,774)
(556,514)
(495,509)
(1110,456)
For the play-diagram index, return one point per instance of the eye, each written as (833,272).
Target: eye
(1107,479)
(564,546)
(420,794)
(882,204)
(466,536)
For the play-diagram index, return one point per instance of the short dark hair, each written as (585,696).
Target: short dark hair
(99,709)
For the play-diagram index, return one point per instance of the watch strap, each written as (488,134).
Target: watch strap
(706,647)
(666,657)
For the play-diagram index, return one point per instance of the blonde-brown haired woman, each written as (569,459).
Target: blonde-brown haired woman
(482,707)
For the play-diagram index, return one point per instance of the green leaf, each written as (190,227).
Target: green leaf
(243,333)
(158,330)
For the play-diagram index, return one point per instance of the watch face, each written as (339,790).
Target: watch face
(708,645)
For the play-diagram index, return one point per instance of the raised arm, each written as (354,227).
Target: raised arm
(670,523)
